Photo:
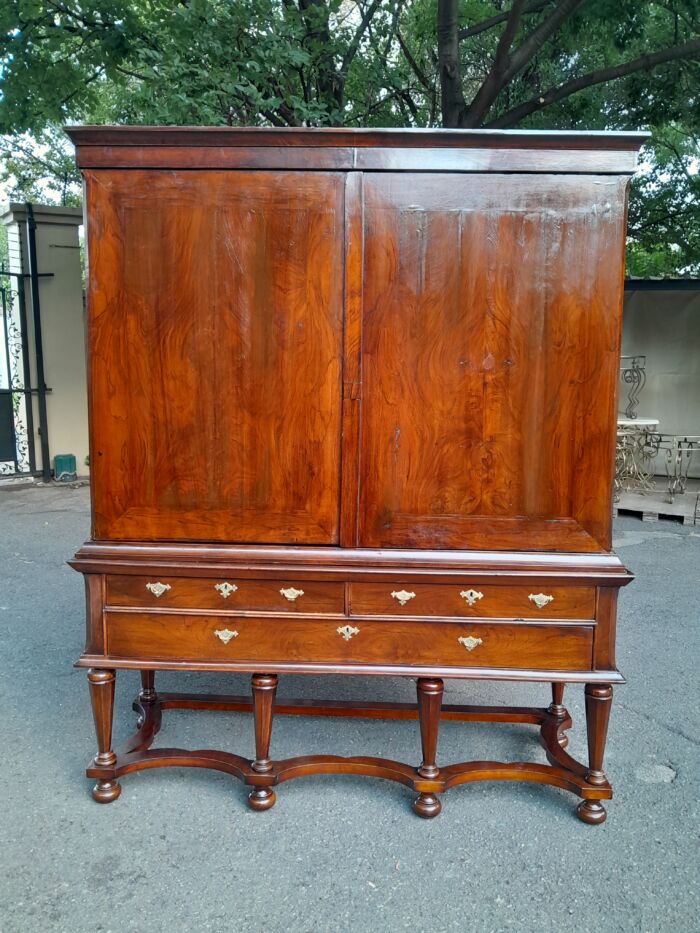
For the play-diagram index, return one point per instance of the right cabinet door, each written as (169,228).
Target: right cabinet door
(491,316)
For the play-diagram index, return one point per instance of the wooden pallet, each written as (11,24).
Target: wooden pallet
(654,506)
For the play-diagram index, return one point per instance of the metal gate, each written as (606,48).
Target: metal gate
(22,387)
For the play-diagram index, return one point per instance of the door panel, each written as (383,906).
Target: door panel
(490,341)
(215,331)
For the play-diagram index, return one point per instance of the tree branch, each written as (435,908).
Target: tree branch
(129,73)
(415,67)
(679,159)
(533,7)
(494,80)
(503,72)
(351,50)
(690,49)
(527,49)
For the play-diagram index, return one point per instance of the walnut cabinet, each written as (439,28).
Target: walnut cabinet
(352,411)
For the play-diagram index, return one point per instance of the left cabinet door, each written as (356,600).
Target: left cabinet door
(215,341)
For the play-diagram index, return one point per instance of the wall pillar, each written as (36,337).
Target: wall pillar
(62,323)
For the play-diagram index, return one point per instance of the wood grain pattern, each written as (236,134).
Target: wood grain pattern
(198,138)
(261,595)
(468,159)
(429,691)
(101,684)
(369,669)
(263,688)
(348,149)
(94,602)
(496,602)
(259,641)
(352,358)
(481,415)
(215,356)
(598,703)
(362,563)
(563,771)
(354,362)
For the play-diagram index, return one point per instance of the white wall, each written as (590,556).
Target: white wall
(664,326)
(62,324)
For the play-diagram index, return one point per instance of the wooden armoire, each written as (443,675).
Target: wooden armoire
(352,411)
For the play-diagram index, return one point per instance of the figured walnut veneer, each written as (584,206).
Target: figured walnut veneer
(352,410)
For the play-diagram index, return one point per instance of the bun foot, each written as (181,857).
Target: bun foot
(262,798)
(591,811)
(106,791)
(427,806)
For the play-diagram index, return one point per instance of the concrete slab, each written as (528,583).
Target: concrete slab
(180,851)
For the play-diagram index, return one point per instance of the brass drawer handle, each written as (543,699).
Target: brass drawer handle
(225,635)
(158,588)
(471,596)
(469,642)
(403,596)
(291,594)
(225,589)
(540,599)
(347,631)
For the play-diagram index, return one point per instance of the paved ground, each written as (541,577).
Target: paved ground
(180,851)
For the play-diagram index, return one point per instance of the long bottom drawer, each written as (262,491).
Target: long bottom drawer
(466,643)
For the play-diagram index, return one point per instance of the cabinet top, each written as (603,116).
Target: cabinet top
(349,136)
(338,148)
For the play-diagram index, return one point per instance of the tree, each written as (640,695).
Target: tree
(39,168)
(547,51)
(586,64)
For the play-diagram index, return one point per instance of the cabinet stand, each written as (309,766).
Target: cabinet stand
(262,773)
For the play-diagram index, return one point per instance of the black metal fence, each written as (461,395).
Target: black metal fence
(22,386)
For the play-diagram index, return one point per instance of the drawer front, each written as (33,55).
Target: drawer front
(226,593)
(476,600)
(450,644)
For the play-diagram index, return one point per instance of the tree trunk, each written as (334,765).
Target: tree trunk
(453,105)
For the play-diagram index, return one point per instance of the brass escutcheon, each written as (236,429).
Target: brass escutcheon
(403,596)
(225,635)
(469,642)
(471,596)
(540,599)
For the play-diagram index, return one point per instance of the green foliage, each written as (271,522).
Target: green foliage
(39,168)
(664,223)
(355,63)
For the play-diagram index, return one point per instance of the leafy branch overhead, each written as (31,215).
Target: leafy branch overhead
(582,64)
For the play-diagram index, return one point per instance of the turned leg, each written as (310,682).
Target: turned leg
(598,702)
(148,687)
(102,698)
(264,687)
(147,696)
(429,702)
(558,710)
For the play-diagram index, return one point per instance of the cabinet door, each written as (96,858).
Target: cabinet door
(215,342)
(490,337)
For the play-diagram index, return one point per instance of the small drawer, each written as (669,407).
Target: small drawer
(225,592)
(472,599)
(469,644)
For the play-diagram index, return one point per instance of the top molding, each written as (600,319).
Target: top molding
(342,149)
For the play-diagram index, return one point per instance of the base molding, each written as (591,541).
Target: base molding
(456,673)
